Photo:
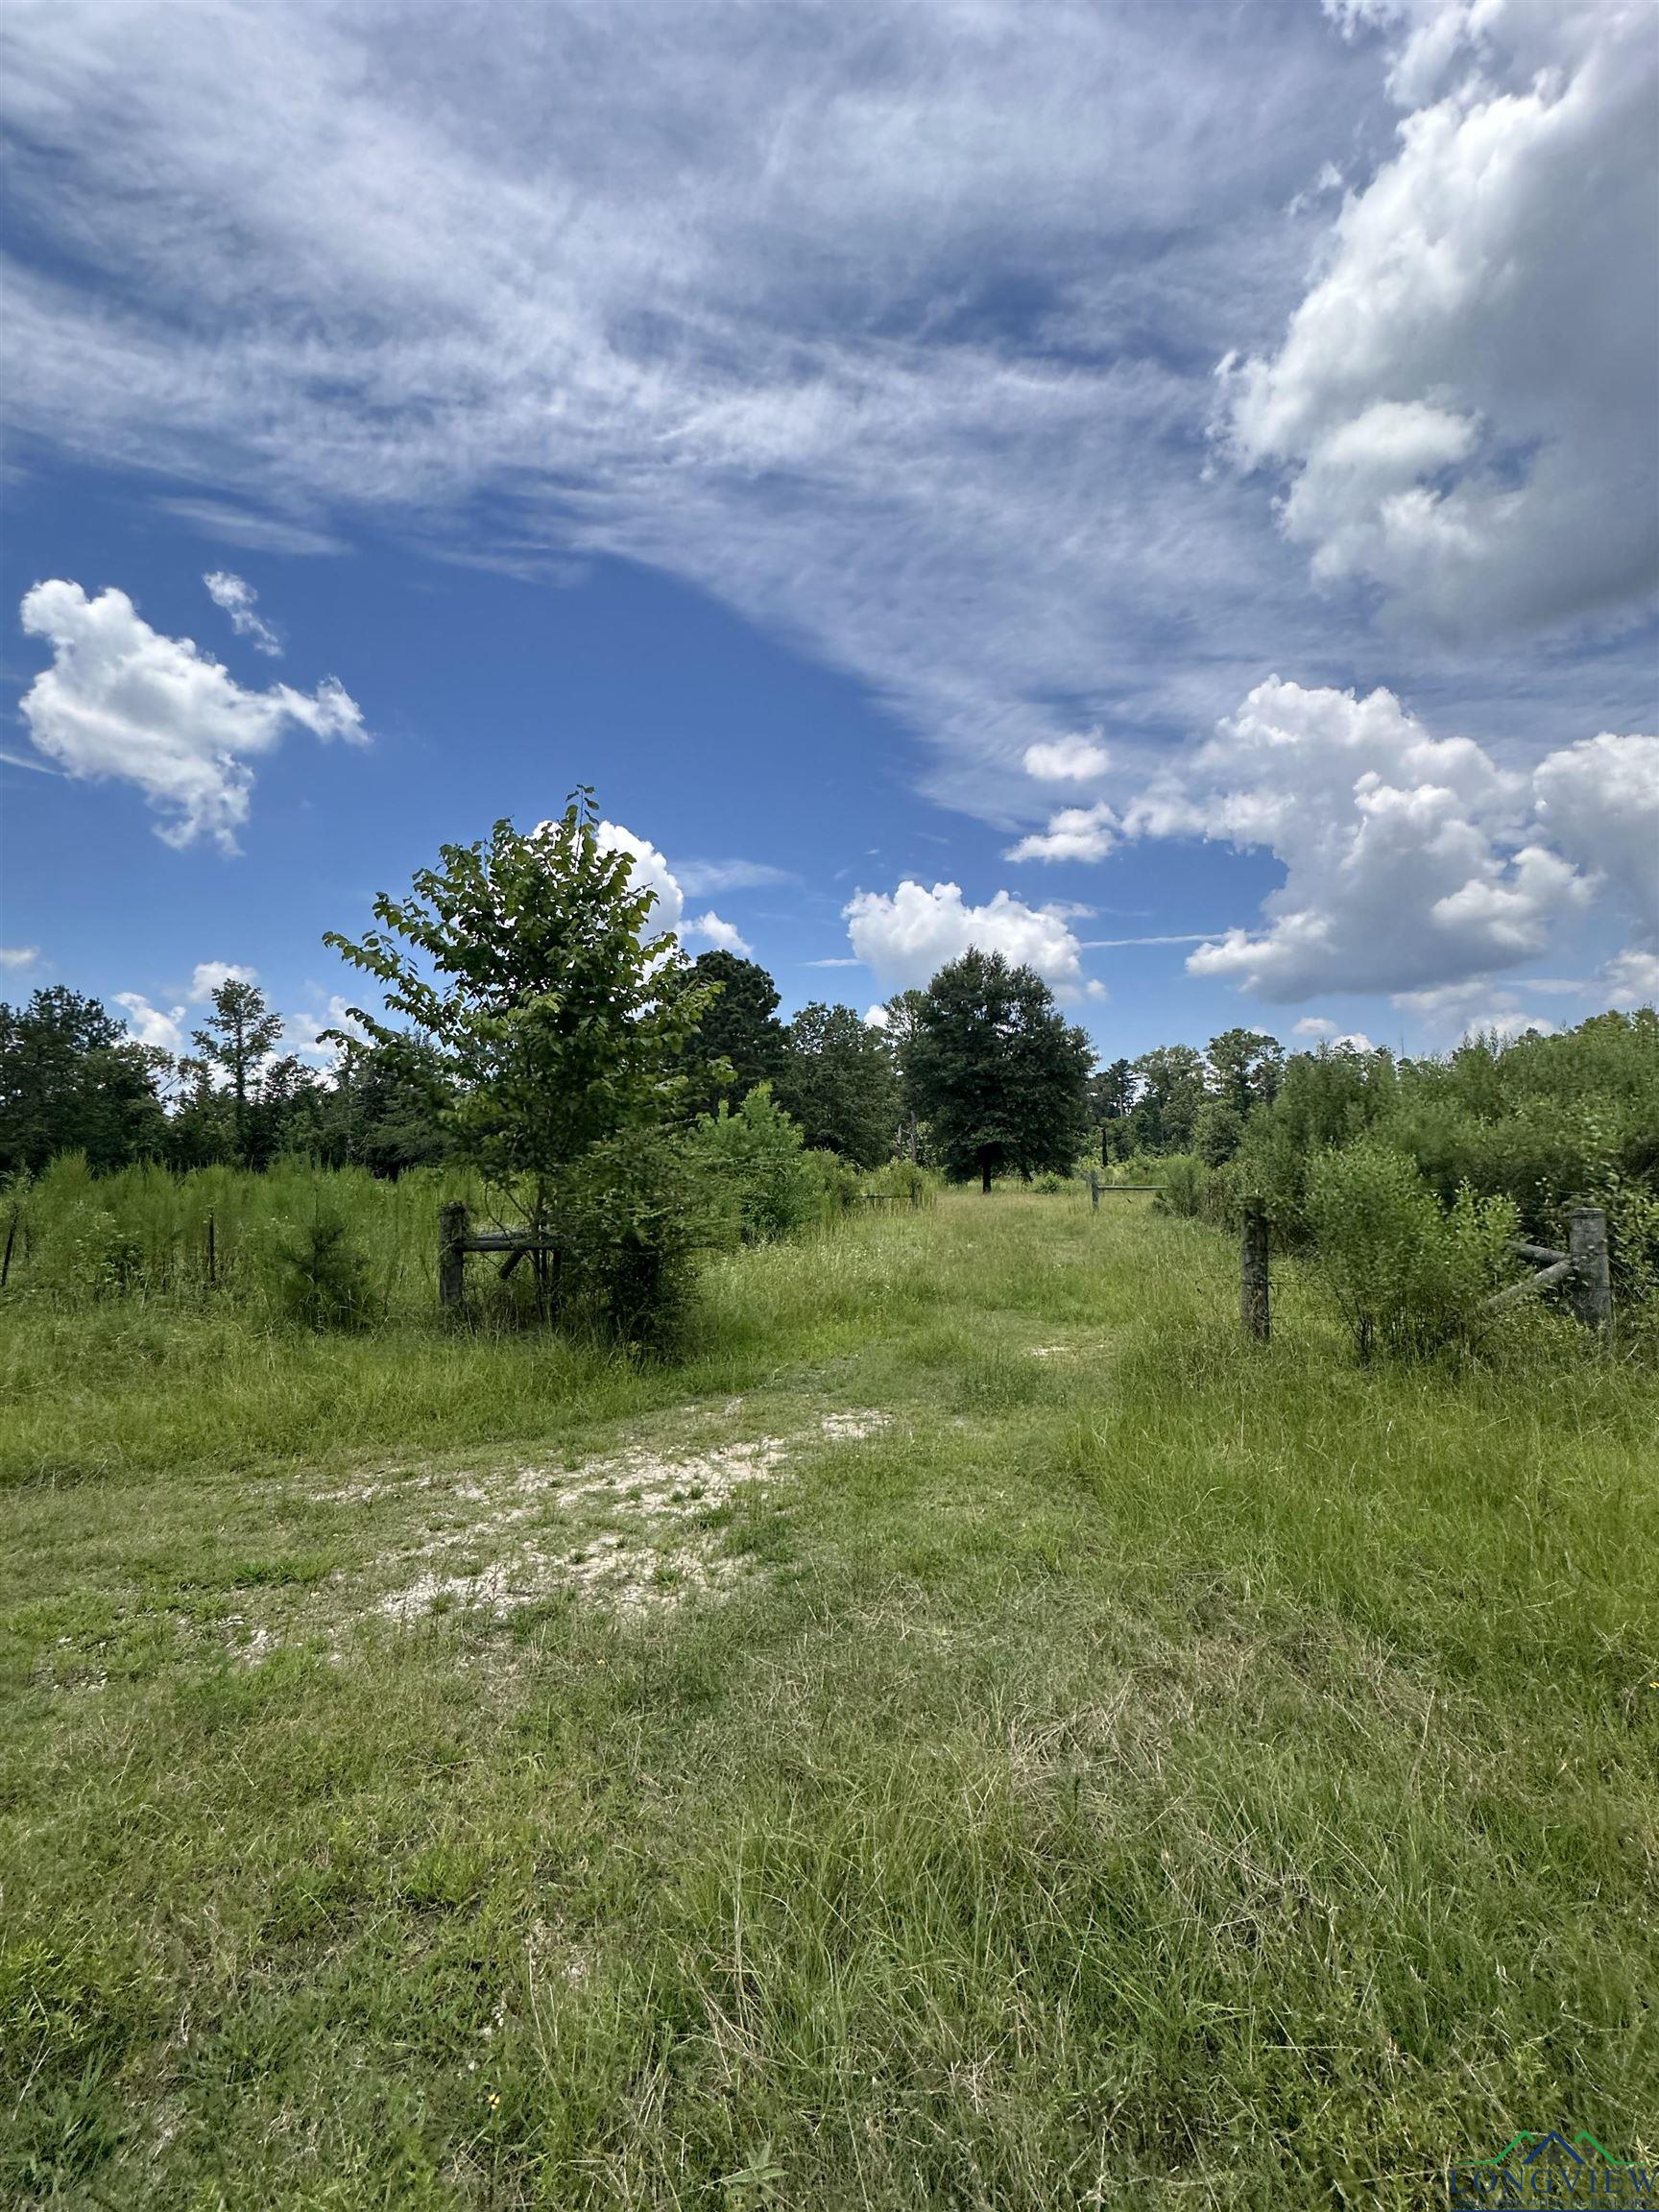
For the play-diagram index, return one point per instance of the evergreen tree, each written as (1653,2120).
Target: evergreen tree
(73,1080)
(1171,1089)
(998,1072)
(1111,1101)
(739,1026)
(1245,1067)
(839,1082)
(238,1038)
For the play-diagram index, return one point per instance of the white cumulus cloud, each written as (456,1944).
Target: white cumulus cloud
(1073,833)
(1631,978)
(209,974)
(1066,760)
(18,955)
(238,599)
(150,1024)
(1411,862)
(1465,406)
(121,700)
(904,937)
(720,933)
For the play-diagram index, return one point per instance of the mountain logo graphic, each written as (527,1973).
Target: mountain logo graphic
(1553,2169)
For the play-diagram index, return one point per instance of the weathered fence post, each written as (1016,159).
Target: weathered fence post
(915,1191)
(1592,1290)
(10,1240)
(212,1254)
(1093,1190)
(451,1253)
(1253,1296)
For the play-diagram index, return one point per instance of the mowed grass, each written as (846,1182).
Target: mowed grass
(1145,1770)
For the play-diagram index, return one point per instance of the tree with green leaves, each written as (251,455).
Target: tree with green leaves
(998,1072)
(72,1079)
(739,1028)
(239,1036)
(838,1081)
(559,1017)
(1245,1069)
(1171,1090)
(1111,1101)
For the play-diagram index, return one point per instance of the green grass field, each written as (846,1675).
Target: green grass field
(977,1735)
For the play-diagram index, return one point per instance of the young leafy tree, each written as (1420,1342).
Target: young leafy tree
(557,1016)
(73,1080)
(997,1070)
(839,1082)
(238,1037)
(740,1026)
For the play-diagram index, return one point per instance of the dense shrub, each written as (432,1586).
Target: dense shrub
(323,1278)
(762,1183)
(629,1219)
(1408,1276)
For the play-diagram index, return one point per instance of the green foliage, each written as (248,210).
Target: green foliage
(762,1181)
(739,1041)
(238,1038)
(324,1276)
(629,1219)
(73,1080)
(1170,1091)
(1408,1277)
(1246,1067)
(839,1082)
(1188,1184)
(997,1071)
(529,965)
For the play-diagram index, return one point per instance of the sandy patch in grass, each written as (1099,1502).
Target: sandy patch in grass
(636,1530)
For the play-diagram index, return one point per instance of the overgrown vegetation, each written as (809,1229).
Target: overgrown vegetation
(1101,1760)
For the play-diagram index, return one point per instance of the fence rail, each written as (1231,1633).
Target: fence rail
(1583,1266)
(1096,1184)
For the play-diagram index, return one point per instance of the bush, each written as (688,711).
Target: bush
(762,1183)
(1407,1276)
(322,1279)
(1189,1187)
(629,1218)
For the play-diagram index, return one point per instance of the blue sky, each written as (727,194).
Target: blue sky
(1170,493)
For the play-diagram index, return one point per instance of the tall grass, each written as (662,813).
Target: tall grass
(219,1235)
(1150,1770)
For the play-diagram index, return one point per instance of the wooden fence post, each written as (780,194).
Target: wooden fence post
(451,1258)
(1252,1295)
(915,1191)
(212,1253)
(1093,1190)
(10,1240)
(1592,1290)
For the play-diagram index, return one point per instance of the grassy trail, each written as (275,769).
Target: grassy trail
(979,1735)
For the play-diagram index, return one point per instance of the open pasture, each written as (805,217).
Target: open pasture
(977,1734)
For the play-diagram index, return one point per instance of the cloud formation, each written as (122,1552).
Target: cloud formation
(150,1024)
(16,957)
(121,700)
(238,600)
(1073,833)
(904,937)
(1411,862)
(1465,407)
(1066,760)
(911,368)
